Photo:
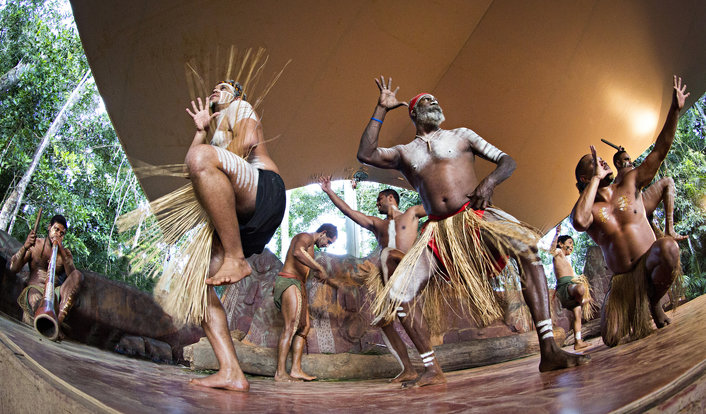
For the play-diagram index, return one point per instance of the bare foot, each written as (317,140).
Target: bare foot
(658,315)
(579,345)
(557,358)
(221,380)
(231,271)
(432,376)
(285,378)
(302,375)
(405,376)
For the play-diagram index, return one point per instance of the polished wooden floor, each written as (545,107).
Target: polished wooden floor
(663,372)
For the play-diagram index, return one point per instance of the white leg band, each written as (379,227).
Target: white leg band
(401,314)
(428,364)
(426,354)
(399,308)
(577,336)
(545,329)
(428,359)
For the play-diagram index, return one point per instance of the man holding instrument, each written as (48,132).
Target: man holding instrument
(37,252)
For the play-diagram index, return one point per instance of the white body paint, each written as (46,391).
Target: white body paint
(545,329)
(391,234)
(479,145)
(398,292)
(237,111)
(245,174)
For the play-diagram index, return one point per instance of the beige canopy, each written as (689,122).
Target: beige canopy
(539,79)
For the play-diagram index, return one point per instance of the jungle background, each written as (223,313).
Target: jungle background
(59,152)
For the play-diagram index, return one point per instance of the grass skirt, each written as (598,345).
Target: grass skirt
(468,249)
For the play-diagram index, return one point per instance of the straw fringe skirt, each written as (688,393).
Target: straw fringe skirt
(627,308)
(470,249)
(184,229)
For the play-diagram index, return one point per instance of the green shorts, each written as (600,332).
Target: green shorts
(562,292)
(281,284)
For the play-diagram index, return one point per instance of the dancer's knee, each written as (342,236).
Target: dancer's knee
(667,251)
(198,158)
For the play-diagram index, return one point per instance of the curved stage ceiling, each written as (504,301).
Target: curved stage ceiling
(541,80)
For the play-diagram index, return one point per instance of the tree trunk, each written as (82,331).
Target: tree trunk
(13,75)
(13,202)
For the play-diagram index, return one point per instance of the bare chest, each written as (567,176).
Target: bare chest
(434,148)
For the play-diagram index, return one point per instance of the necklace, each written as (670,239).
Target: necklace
(429,137)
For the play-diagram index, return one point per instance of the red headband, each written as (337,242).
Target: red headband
(413,101)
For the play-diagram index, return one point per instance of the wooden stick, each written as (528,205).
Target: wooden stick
(36,223)
(617,147)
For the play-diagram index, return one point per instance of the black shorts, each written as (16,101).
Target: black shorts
(270,204)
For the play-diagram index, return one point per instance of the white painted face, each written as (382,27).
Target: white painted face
(224,92)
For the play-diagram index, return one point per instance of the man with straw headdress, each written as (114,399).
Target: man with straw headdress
(466,240)
(614,216)
(244,198)
(573,291)
(396,234)
(228,211)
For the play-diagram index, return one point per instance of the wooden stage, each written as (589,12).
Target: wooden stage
(665,372)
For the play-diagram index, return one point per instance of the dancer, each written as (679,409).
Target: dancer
(465,238)
(663,190)
(573,291)
(244,199)
(614,216)
(396,233)
(37,252)
(291,299)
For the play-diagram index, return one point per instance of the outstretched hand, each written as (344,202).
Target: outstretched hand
(325,183)
(201,114)
(388,97)
(679,97)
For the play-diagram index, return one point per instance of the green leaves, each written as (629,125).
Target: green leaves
(80,175)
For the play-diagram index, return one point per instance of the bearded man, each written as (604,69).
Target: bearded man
(466,239)
(614,216)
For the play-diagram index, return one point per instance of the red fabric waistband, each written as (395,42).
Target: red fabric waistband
(479,213)
(288,275)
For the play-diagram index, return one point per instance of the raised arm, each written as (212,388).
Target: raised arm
(361,219)
(202,118)
(648,169)
(582,215)
(368,150)
(555,242)
(23,255)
